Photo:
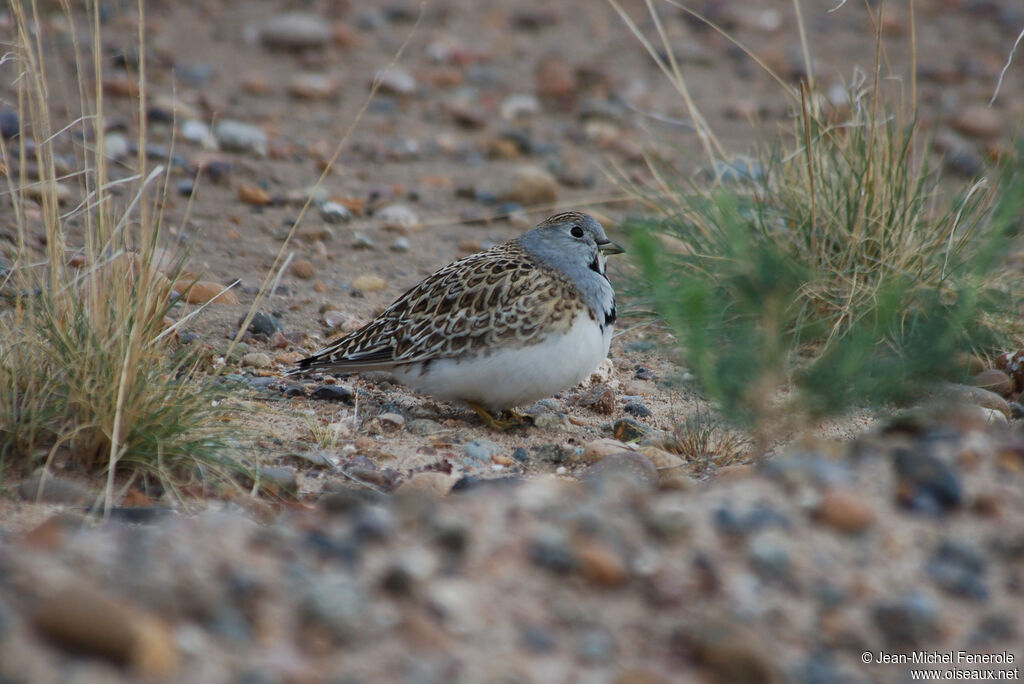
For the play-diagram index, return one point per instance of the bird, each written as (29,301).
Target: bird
(497,329)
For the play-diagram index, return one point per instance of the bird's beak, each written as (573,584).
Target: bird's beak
(609,247)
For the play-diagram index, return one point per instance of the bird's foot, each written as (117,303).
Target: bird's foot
(508,419)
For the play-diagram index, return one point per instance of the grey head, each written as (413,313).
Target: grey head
(575,245)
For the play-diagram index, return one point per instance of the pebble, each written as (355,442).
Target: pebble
(396,81)
(55,490)
(845,511)
(335,213)
(336,602)
(924,482)
(636,408)
(730,650)
(424,427)
(481,450)
(115,146)
(398,217)
(257,360)
(436,484)
(237,136)
(203,291)
(84,619)
(979,397)
(600,448)
(295,31)
(199,133)
(601,564)
(313,87)
(595,645)
(363,241)
(959,567)
(303,268)
(253,194)
(553,78)
(340,393)
(628,467)
(994,380)
(551,420)
(262,323)
(401,245)
(10,126)
(600,398)
(369,283)
(279,480)
(550,550)
(530,185)
(519,105)
(629,430)
(978,121)
(907,621)
(552,453)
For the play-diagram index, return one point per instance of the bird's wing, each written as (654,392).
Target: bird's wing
(494,298)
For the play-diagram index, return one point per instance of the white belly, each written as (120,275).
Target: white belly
(513,377)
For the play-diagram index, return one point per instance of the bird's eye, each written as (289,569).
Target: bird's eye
(576,232)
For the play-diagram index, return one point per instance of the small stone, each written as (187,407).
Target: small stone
(925,482)
(436,484)
(115,146)
(369,283)
(203,291)
(908,621)
(401,245)
(730,650)
(303,268)
(629,430)
(599,398)
(551,420)
(530,185)
(262,323)
(600,564)
(424,427)
(392,420)
(295,31)
(396,81)
(55,490)
(519,105)
(398,217)
(84,619)
(481,450)
(845,511)
(636,408)
(979,397)
(335,213)
(994,380)
(600,448)
(363,241)
(199,133)
(333,393)
(253,194)
(552,453)
(554,78)
(958,567)
(625,466)
(236,136)
(10,126)
(595,645)
(313,87)
(550,551)
(278,480)
(337,602)
(257,360)
(979,121)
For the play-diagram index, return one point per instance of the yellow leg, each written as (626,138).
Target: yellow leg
(509,419)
